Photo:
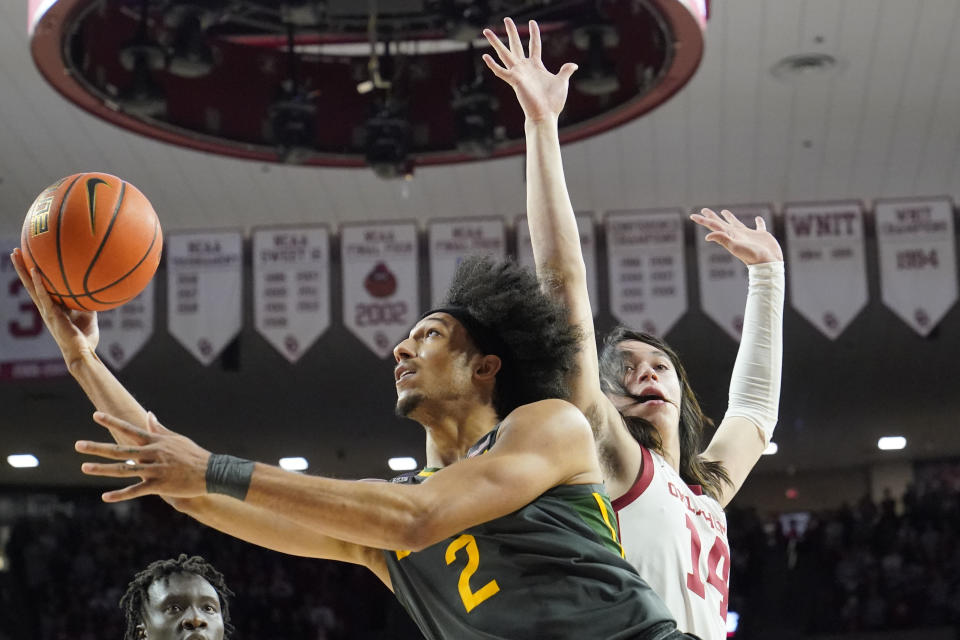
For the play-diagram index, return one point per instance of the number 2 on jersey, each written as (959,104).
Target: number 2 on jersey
(470,598)
(720,582)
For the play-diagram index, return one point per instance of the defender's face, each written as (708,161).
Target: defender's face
(652,382)
(182,606)
(432,363)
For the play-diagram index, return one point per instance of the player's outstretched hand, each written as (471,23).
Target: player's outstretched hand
(76,332)
(541,94)
(751,246)
(167,463)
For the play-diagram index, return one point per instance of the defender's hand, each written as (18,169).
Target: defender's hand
(541,94)
(167,463)
(751,246)
(75,331)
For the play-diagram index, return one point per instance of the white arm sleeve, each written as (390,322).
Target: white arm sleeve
(755,382)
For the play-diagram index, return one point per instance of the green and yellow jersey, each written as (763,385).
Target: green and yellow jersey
(552,569)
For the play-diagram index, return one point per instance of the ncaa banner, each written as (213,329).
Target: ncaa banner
(723,277)
(204,290)
(291,287)
(588,248)
(381,283)
(453,240)
(124,330)
(918,266)
(27,350)
(647,270)
(827,270)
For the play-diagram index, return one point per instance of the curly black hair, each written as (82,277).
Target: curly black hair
(135,598)
(531,327)
(709,474)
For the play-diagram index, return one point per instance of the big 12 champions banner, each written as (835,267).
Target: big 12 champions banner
(647,269)
(453,240)
(291,287)
(588,248)
(204,290)
(125,329)
(723,277)
(918,266)
(825,263)
(27,350)
(381,282)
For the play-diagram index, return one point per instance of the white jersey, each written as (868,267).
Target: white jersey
(676,537)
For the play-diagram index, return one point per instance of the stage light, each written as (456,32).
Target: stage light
(23,460)
(402,464)
(297,463)
(891,443)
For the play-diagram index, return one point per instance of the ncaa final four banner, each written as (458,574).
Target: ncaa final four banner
(291,287)
(125,329)
(27,350)
(588,247)
(723,277)
(918,265)
(453,240)
(204,290)
(647,269)
(381,283)
(826,267)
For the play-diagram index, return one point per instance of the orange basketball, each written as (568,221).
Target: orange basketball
(95,240)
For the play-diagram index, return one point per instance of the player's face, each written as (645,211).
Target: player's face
(651,381)
(183,606)
(432,363)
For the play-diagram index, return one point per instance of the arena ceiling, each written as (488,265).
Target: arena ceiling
(880,121)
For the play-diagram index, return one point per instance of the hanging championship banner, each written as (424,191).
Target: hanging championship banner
(825,263)
(291,287)
(588,247)
(453,240)
(381,285)
(124,330)
(204,290)
(723,277)
(918,266)
(27,350)
(647,271)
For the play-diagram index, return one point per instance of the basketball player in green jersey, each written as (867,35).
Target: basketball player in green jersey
(507,534)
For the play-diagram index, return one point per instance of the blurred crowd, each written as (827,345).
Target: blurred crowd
(869,566)
(887,565)
(67,571)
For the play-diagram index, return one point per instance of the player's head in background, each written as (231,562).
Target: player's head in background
(647,382)
(175,599)
(496,338)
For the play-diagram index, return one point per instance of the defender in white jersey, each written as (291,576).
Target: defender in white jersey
(645,404)
(688,541)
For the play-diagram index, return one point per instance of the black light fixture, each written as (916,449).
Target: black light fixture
(598,76)
(474,113)
(387,136)
(292,116)
(464,19)
(190,55)
(141,57)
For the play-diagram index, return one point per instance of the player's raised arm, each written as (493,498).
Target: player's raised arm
(541,445)
(77,335)
(755,382)
(553,225)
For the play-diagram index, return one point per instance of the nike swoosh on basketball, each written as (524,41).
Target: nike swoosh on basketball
(92,201)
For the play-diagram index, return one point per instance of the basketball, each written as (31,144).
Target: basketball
(94,239)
